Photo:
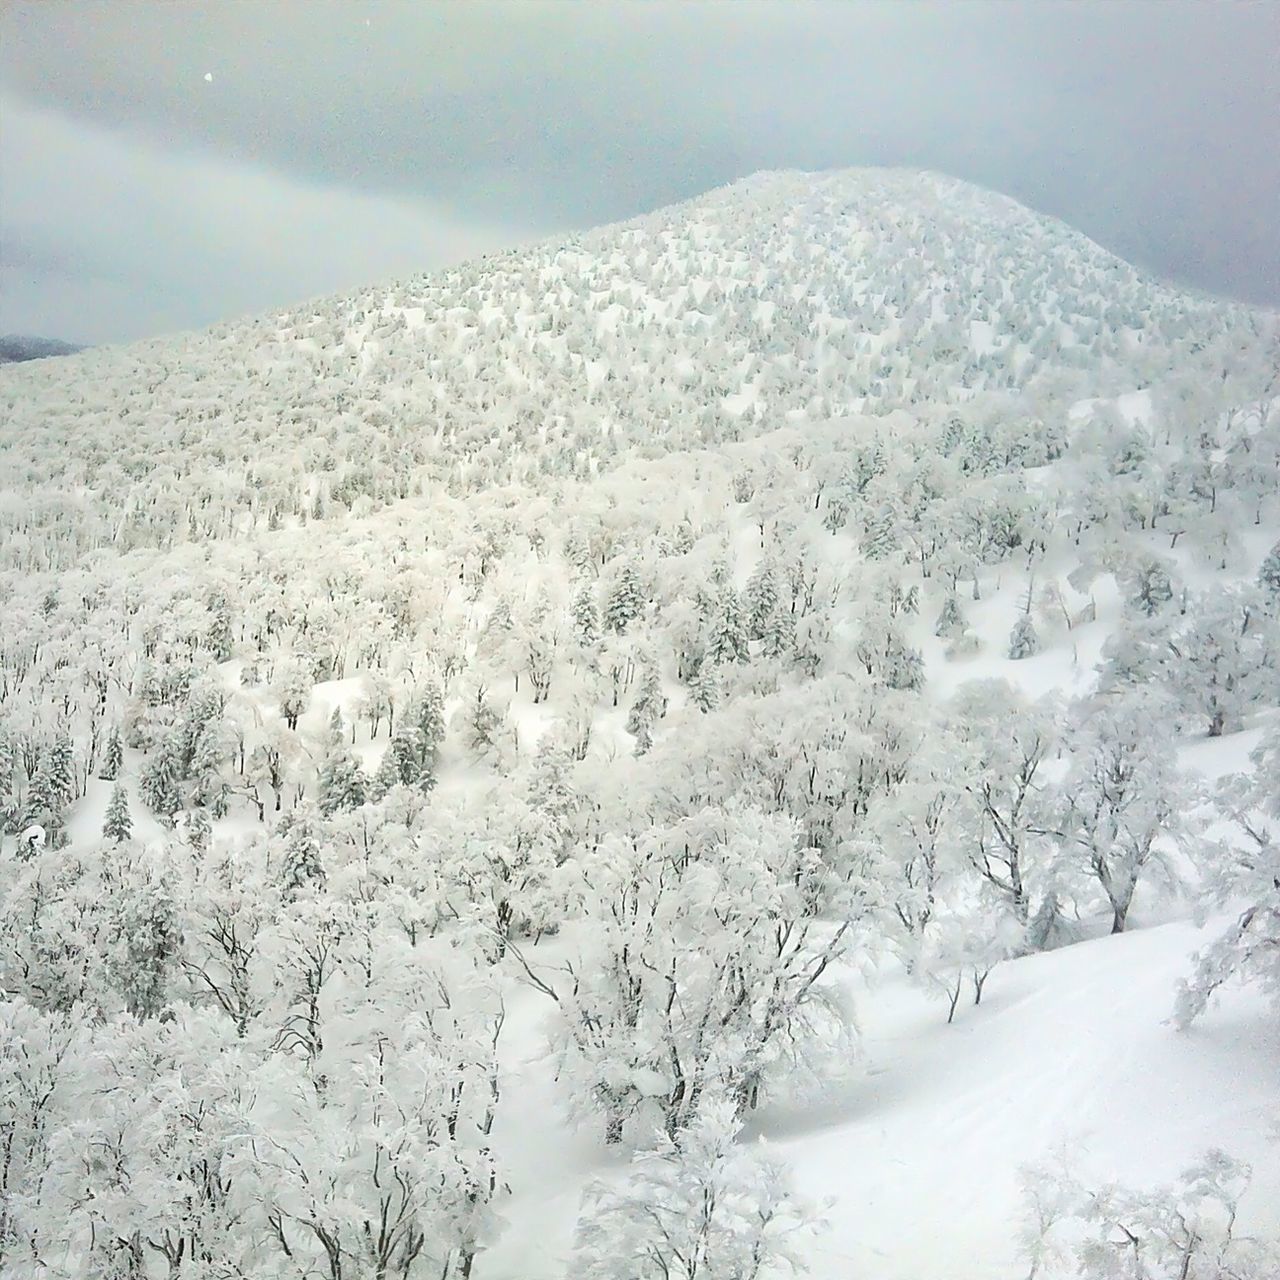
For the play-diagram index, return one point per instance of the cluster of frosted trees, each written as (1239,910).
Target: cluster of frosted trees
(283,1050)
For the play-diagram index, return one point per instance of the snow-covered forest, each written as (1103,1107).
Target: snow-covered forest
(737,745)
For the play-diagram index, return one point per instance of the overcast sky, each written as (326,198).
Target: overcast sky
(167,165)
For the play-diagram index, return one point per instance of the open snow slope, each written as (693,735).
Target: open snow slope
(918,1154)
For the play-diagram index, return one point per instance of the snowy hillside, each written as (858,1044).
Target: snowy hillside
(478,754)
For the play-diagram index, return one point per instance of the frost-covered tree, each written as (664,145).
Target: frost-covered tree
(1249,949)
(761,597)
(1222,662)
(376,702)
(701,968)
(1151,587)
(392,765)
(112,756)
(553,793)
(913,849)
(159,782)
(412,754)
(950,620)
(704,687)
(727,633)
(1269,573)
(293,686)
(700,1206)
(405,750)
(884,653)
(117,825)
(341,782)
(274,763)
(57,766)
(144,938)
(933,908)
(1024,642)
(301,864)
(39,1053)
(1009,742)
(648,706)
(52,789)
(880,539)
(197,830)
(1188,1231)
(625,601)
(586,617)
(8,774)
(778,632)
(1124,808)
(481,724)
(379,1160)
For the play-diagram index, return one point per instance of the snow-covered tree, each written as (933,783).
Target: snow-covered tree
(112,756)
(341,782)
(1124,808)
(293,686)
(648,706)
(1222,662)
(586,617)
(1188,1231)
(481,724)
(884,653)
(1250,948)
(880,539)
(159,782)
(117,825)
(701,969)
(1269,573)
(625,601)
(1152,586)
(377,1158)
(761,597)
(1009,744)
(950,620)
(704,687)
(727,632)
(700,1206)
(145,936)
(1024,642)
(51,790)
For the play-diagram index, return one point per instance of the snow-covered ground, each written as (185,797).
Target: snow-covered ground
(919,1151)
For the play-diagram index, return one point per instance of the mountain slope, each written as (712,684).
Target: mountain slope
(787,296)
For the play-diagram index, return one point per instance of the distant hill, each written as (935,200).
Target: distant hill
(17,347)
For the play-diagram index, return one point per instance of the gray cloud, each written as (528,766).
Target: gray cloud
(108,236)
(1153,126)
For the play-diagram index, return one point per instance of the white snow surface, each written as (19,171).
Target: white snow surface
(917,1153)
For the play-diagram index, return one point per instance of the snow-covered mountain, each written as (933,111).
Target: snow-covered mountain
(455,731)
(785,298)
(16,347)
